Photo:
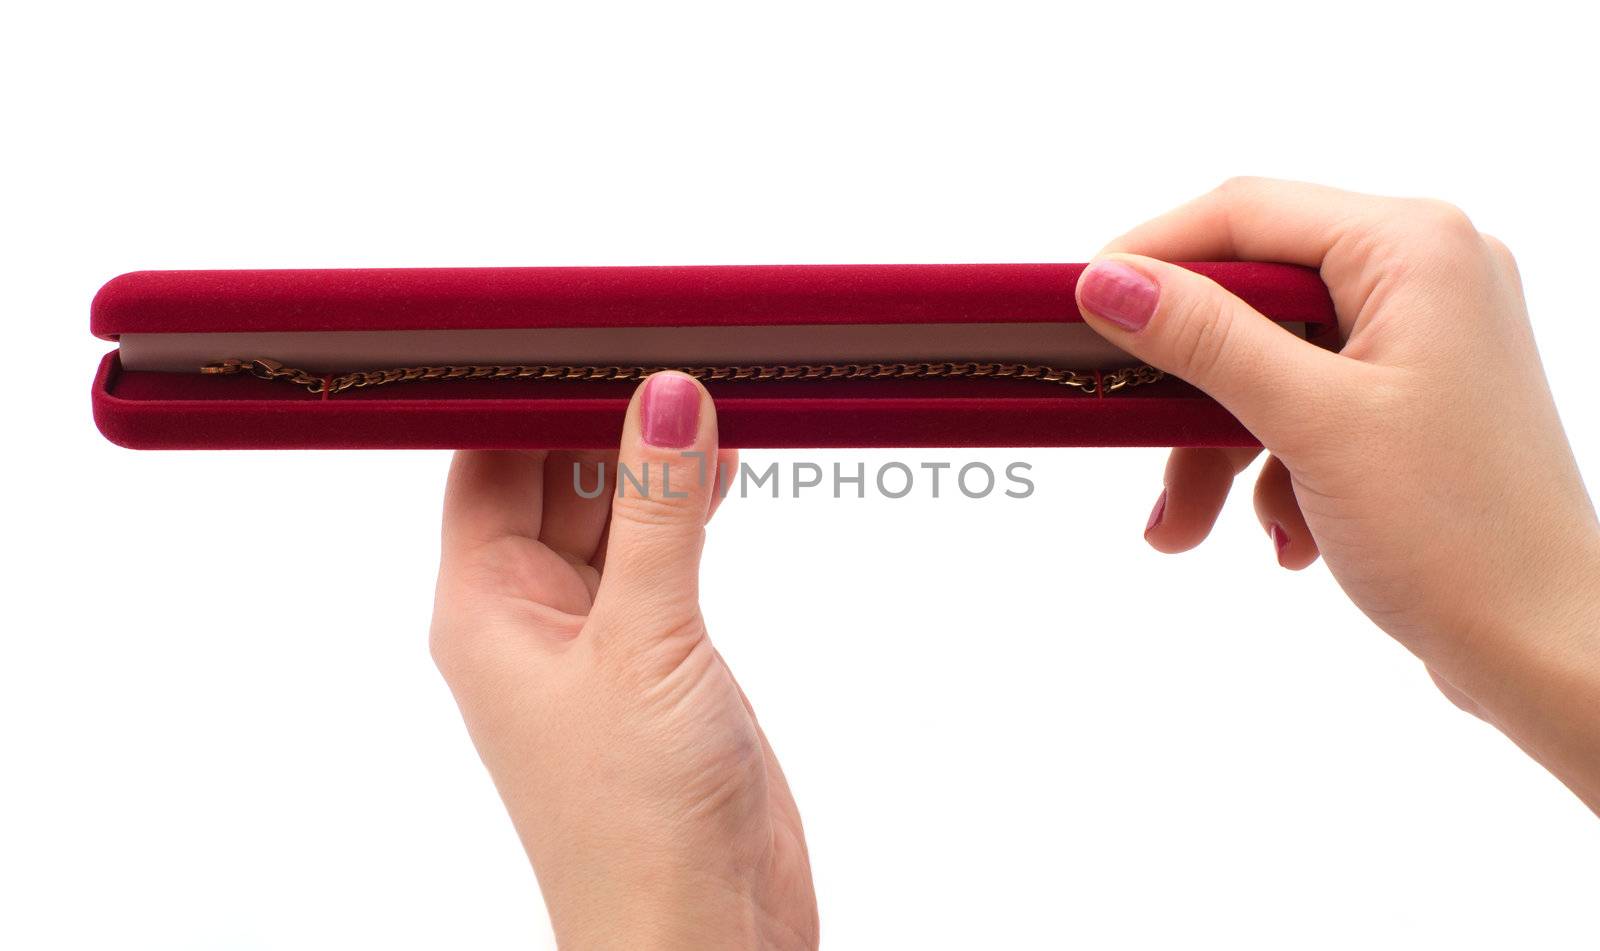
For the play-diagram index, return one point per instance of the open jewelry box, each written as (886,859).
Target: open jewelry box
(501,358)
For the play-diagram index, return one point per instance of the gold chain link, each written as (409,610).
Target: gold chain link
(1093,384)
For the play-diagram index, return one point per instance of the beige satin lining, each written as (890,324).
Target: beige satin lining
(1062,344)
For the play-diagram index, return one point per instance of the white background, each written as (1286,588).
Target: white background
(1007,723)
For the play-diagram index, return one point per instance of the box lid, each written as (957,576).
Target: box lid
(714,295)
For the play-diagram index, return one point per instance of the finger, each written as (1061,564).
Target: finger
(490,495)
(577,501)
(1258,219)
(1189,326)
(1195,486)
(1505,261)
(1281,517)
(727,477)
(599,559)
(727,473)
(665,483)
(1343,234)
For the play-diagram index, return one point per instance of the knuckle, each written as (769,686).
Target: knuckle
(684,625)
(673,616)
(1425,237)
(1201,330)
(664,493)
(457,637)
(669,640)
(1236,185)
(479,612)
(648,509)
(1502,256)
(656,640)
(1498,249)
(445,650)
(1441,218)
(455,648)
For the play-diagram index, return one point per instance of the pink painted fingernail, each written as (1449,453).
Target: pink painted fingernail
(669,411)
(1280,539)
(1156,514)
(1119,293)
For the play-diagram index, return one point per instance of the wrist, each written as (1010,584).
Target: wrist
(650,927)
(1535,606)
(662,910)
(1535,670)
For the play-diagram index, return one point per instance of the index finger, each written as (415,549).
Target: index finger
(492,494)
(1257,219)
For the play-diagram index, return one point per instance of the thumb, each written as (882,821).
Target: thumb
(666,478)
(1187,325)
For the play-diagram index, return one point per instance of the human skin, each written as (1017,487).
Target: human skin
(1433,478)
(644,791)
(1424,460)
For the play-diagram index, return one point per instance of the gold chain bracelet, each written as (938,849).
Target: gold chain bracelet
(1092,384)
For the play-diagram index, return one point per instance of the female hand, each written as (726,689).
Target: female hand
(648,800)
(1424,461)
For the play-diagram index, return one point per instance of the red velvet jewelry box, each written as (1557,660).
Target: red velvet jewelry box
(951,324)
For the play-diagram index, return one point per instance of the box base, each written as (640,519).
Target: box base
(147,410)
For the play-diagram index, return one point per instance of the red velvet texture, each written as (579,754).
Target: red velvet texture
(188,411)
(497,298)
